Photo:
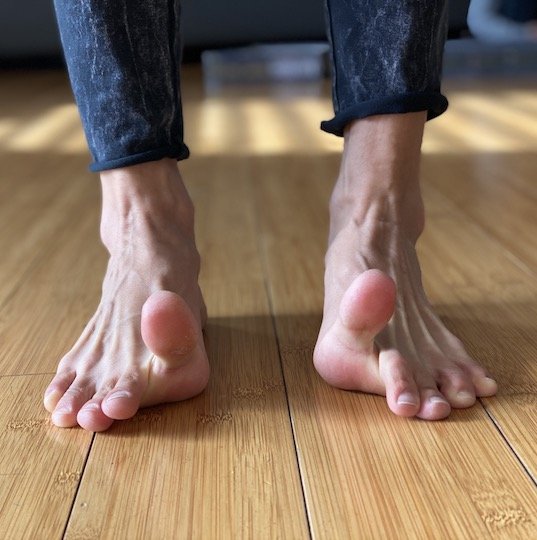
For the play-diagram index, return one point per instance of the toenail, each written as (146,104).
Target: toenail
(437,399)
(51,394)
(119,395)
(407,399)
(465,396)
(63,410)
(91,407)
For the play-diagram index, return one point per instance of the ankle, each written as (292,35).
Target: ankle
(146,197)
(152,184)
(379,175)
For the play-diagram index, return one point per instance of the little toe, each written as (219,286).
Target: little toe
(433,406)
(65,413)
(402,392)
(484,385)
(92,418)
(57,388)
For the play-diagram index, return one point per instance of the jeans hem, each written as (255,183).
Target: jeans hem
(434,103)
(178,152)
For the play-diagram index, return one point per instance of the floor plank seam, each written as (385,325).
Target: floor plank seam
(75,495)
(291,420)
(262,258)
(508,443)
(7,375)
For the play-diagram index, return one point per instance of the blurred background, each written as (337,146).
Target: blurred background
(506,36)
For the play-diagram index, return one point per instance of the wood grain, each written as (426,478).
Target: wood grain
(36,212)
(488,297)
(40,465)
(54,299)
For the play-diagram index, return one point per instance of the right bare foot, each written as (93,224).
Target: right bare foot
(144,345)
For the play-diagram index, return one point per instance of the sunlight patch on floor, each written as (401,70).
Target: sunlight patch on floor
(285,120)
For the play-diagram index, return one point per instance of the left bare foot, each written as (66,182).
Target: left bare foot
(379,332)
(144,345)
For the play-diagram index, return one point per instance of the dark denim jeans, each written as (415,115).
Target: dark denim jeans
(386,58)
(123,58)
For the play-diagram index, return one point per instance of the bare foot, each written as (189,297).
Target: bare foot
(379,332)
(144,344)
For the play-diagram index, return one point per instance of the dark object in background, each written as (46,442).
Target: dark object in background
(278,62)
(519,10)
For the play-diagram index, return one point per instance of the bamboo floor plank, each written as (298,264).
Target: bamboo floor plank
(495,188)
(40,465)
(221,465)
(39,317)
(38,189)
(35,209)
(52,304)
(498,192)
(20,103)
(490,301)
(367,473)
(40,198)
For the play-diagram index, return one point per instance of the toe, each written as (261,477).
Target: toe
(169,328)
(484,385)
(457,387)
(65,413)
(401,390)
(123,401)
(57,388)
(368,304)
(433,406)
(345,355)
(92,418)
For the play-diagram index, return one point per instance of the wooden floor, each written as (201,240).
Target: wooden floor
(269,450)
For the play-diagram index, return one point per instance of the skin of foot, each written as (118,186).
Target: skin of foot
(379,332)
(144,344)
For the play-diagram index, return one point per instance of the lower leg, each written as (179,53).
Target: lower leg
(379,332)
(144,344)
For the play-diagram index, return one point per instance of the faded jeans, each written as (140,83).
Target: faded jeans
(123,58)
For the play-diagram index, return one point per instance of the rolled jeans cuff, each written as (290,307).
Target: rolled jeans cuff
(434,103)
(179,152)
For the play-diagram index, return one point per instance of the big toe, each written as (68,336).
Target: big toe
(169,328)
(368,303)
(345,356)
